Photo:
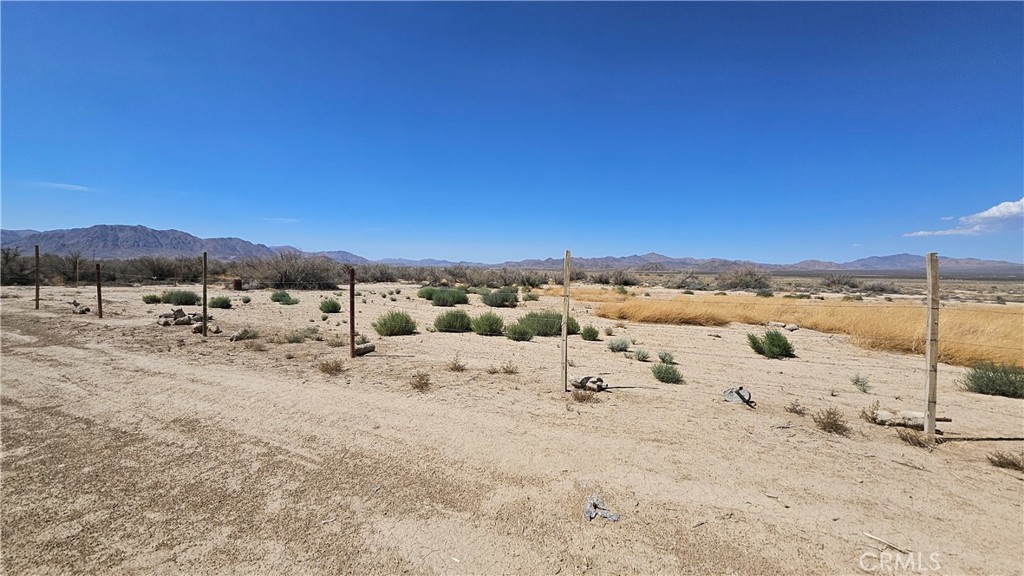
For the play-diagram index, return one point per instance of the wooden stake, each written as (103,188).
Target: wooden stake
(932,349)
(351,312)
(99,292)
(37,276)
(204,294)
(565,322)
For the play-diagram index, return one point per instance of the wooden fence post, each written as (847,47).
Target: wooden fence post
(351,312)
(204,294)
(37,276)
(565,322)
(99,292)
(932,346)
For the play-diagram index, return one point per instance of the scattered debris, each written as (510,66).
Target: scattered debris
(739,395)
(594,506)
(889,544)
(364,349)
(592,383)
(791,327)
(902,418)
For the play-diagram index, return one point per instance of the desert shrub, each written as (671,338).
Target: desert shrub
(1007,460)
(427,292)
(618,345)
(375,273)
(246,299)
(180,297)
(294,269)
(624,278)
(870,413)
(764,294)
(641,355)
(246,333)
(331,367)
(151,299)
(914,438)
(831,421)
(666,358)
(394,323)
(282,297)
(449,297)
(773,344)
(223,302)
(666,373)
(508,368)
(255,346)
(530,297)
(745,278)
(420,381)
(839,282)
(500,299)
(687,281)
(336,342)
(453,321)
(882,288)
(994,380)
(488,324)
(853,298)
(584,396)
(330,306)
(860,383)
(608,331)
(519,332)
(589,333)
(456,364)
(548,323)
(795,408)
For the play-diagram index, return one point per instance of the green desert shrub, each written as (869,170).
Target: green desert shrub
(666,373)
(246,299)
(530,297)
(223,302)
(618,345)
(427,292)
(764,294)
(995,380)
(151,299)
(500,299)
(283,297)
(745,278)
(666,358)
(180,297)
(518,332)
(641,355)
(589,333)
(247,333)
(394,323)
(547,323)
(330,306)
(449,297)
(773,344)
(453,321)
(488,324)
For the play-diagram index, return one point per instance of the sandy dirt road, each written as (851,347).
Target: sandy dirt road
(128,447)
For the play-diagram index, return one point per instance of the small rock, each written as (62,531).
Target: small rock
(791,327)
(217,330)
(197,329)
(773,324)
(164,322)
(186,321)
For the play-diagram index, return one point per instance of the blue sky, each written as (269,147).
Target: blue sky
(773,132)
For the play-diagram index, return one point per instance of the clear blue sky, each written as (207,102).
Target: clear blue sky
(774,132)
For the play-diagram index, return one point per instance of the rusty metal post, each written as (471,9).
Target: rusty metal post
(99,292)
(204,294)
(351,312)
(37,276)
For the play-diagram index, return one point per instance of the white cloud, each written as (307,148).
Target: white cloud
(58,186)
(987,221)
(946,218)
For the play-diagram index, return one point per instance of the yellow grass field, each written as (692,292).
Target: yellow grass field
(968,333)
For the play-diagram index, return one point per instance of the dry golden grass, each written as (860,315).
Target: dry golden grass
(968,333)
(590,294)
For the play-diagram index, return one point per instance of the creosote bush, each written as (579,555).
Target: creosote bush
(283,297)
(773,344)
(832,421)
(666,358)
(246,333)
(666,373)
(548,323)
(151,299)
(618,345)
(589,333)
(519,332)
(453,321)
(222,302)
(449,297)
(331,367)
(500,299)
(180,297)
(488,324)
(995,380)
(745,278)
(641,355)
(394,323)
(427,292)
(330,306)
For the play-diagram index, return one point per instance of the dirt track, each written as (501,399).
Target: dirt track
(130,447)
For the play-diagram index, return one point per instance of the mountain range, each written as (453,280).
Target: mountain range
(121,242)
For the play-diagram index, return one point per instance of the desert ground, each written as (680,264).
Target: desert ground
(129,447)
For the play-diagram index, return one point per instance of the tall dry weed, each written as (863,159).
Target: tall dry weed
(968,333)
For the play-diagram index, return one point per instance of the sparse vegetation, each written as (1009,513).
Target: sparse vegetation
(994,380)
(180,297)
(488,324)
(764,294)
(773,344)
(795,408)
(589,333)
(456,364)
(608,331)
(427,292)
(449,297)
(283,297)
(1007,460)
(151,299)
(330,306)
(222,302)
(914,438)
(246,299)
(870,413)
(618,345)
(331,367)
(548,323)
(745,278)
(453,321)
(518,332)
(255,346)
(394,323)
(666,358)
(860,383)
(509,368)
(500,299)
(839,282)
(585,396)
(831,420)
(641,355)
(530,297)
(666,373)
(420,381)
(247,333)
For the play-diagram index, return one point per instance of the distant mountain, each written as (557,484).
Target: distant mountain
(113,242)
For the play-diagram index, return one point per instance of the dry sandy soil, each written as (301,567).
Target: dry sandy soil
(128,447)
